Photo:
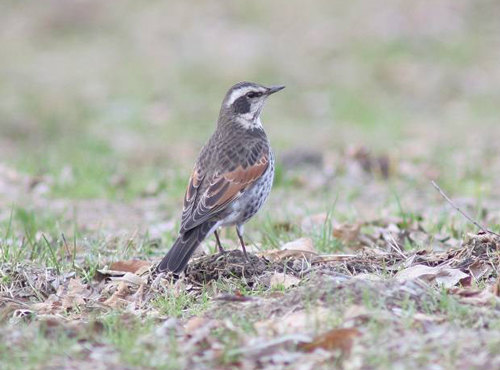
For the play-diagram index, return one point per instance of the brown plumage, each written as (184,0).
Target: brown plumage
(232,176)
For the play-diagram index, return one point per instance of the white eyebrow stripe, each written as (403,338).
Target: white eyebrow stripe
(240,92)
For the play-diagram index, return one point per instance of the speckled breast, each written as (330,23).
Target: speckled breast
(253,199)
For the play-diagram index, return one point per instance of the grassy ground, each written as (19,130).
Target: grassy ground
(103,109)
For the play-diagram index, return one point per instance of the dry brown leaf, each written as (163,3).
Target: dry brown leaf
(75,297)
(118,299)
(347,233)
(279,278)
(335,339)
(51,306)
(75,287)
(300,248)
(132,266)
(301,245)
(479,269)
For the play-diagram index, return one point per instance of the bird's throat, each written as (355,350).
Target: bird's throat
(249,123)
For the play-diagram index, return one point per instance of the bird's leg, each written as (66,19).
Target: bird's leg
(219,245)
(239,231)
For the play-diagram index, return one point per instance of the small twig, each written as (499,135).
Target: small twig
(477,224)
(395,246)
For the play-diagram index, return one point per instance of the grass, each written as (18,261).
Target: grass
(182,304)
(122,335)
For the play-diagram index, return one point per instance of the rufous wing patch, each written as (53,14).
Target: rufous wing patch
(225,188)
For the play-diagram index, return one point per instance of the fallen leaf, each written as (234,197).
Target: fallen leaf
(441,275)
(301,245)
(450,277)
(300,248)
(50,306)
(130,279)
(75,297)
(118,299)
(75,287)
(479,269)
(347,233)
(129,266)
(279,278)
(335,339)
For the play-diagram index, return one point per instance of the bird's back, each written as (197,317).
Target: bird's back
(227,150)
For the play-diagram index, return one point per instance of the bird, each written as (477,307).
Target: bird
(232,177)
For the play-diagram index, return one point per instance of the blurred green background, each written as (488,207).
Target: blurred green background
(96,94)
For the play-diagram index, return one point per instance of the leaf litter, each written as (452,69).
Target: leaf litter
(477,259)
(293,275)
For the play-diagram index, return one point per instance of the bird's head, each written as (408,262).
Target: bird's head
(244,102)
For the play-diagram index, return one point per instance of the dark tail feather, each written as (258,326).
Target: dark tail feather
(184,246)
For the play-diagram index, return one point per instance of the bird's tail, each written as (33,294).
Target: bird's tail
(184,246)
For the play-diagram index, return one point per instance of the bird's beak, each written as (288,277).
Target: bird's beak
(273,89)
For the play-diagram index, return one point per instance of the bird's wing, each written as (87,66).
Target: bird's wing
(219,189)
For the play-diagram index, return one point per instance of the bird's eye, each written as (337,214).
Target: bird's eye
(252,94)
